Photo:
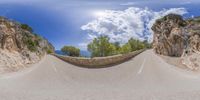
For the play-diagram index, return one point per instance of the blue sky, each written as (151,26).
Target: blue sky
(62,21)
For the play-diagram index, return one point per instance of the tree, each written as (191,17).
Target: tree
(147,44)
(101,47)
(117,45)
(126,48)
(71,51)
(136,44)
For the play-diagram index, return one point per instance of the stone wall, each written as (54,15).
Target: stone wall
(99,62)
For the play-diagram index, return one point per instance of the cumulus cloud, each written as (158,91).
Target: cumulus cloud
(120,26)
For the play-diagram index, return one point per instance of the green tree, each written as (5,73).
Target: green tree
(136,44)
(147,44)
(71,51)
(117,45)
(101,47)
(126,48)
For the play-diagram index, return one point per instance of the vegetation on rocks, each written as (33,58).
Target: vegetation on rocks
(19,45)
(26,27)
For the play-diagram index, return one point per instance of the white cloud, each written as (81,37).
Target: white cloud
(185,2)
(128,4)
(120,26)
(83,46)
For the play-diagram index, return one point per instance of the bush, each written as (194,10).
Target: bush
(31,45)
(49,51)
(26,27)
(30,42)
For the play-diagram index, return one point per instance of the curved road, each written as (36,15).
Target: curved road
(145,77)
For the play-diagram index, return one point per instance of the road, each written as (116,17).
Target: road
(144,77)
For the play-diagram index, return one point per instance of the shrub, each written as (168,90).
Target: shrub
(49,51)
(31,45)
(26,27)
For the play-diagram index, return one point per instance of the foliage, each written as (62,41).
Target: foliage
(71,51)
(117,46)
(31,42)
(136,44)
(175,17)
(38,37)
(49,51)
(147,44)
(26,27)
(101,47)
(126,48)
(32,45)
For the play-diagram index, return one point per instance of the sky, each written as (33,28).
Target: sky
(78,22)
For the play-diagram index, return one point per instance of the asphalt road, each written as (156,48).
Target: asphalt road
(144,77)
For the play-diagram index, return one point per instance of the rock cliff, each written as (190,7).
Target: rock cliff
(19,46)
(174,36)
(168,38)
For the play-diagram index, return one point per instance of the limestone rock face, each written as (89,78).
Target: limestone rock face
(174,36)
(19,46)
(168,36)
(194,36)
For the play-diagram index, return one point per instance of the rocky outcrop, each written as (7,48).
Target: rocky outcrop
(174,36)
(19,46)
(168,38)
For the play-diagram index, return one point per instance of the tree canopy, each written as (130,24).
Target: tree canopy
(126,48)
(101,47)
(136,44)
(71,51)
